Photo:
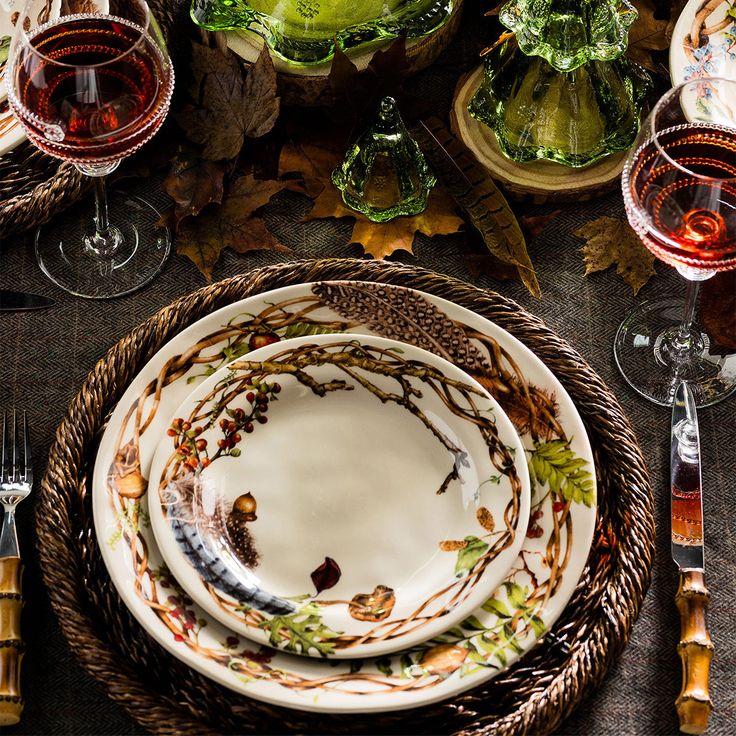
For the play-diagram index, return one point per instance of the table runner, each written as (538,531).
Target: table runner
(46,356)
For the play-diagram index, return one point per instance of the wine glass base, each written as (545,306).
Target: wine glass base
(140,256)
(651,372)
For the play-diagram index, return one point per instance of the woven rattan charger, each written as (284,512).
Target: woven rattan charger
(532,696)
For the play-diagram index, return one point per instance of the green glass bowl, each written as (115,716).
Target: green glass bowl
(306,31)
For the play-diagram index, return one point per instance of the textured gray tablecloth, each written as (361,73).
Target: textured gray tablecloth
(45,356)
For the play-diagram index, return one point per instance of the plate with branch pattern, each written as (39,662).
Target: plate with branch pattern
(518,615)
(349,496)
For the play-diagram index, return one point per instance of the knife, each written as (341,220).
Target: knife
(693,704)
(11,301)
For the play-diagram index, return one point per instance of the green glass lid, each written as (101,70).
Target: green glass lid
(569,33)
(306,31)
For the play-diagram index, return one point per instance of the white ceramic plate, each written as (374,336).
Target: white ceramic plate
(510,623)
(364,485)
(704,44)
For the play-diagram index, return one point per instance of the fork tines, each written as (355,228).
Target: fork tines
(14,468)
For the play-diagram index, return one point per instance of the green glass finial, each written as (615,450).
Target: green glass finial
(569,33)
(306,31)
(385,174)
(561,88)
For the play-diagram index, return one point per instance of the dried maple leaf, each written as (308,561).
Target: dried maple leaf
(718,311)
(232,225)
(647,34)
(229,109)
(312,163)
(361,91)
(380,240)
(193,183)
(610,241)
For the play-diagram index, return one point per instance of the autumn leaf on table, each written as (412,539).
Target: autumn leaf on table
(647,34)
(610,241)
(380,240)
(308,165)
(230,108)
(193,183)
(361,91)
(232,225)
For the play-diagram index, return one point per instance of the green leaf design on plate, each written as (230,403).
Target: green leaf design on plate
(304,329)
(4,48)
(301,631)
(555,464)
(469,555)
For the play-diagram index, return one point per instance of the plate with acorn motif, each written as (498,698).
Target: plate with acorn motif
(508,624)
(348,496)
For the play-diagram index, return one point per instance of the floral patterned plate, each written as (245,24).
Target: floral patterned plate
(520,612)
(370,471)
(704,41)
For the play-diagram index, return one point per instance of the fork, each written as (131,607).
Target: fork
(16,479)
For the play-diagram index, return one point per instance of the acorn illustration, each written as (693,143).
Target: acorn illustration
(443,659)
(236,523)
(374,606)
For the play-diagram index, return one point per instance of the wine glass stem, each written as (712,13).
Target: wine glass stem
(107,239)
(683,339)
(102,221)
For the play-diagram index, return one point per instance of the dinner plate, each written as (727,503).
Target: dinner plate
(703,41)
(344,495)
(518,615)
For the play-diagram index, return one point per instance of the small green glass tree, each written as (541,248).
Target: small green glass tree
(385,173)
(560,88)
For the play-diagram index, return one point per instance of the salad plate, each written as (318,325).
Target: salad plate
(703,41)
(509,623)
(339,495)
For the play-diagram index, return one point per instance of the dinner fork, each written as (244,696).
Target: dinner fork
(16,479)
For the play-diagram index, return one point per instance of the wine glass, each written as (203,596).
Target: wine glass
(90,89)
(679,187)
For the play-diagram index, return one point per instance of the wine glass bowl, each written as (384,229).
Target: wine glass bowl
(91,89)
(679,188)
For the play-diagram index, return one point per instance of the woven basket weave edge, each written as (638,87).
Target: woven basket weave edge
(345,268)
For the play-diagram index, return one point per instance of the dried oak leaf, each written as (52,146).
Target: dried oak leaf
(647,34)
(193,183)
(327,575)
(232,225)
(380,240)
(230,109)
(718,310)
(610,241)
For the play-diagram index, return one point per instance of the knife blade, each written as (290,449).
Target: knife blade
(693,704)
(13,301)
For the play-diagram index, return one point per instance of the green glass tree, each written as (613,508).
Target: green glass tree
(306,31)
(560,88)
(385,173)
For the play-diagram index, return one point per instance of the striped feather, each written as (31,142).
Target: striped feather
(402,314)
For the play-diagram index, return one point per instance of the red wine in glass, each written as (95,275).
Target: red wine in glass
(682,189)
(95,87)
(91,89)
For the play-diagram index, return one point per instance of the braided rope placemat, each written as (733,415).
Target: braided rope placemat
(167,697)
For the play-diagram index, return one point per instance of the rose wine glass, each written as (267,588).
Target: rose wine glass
(679,187)
(90,89)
